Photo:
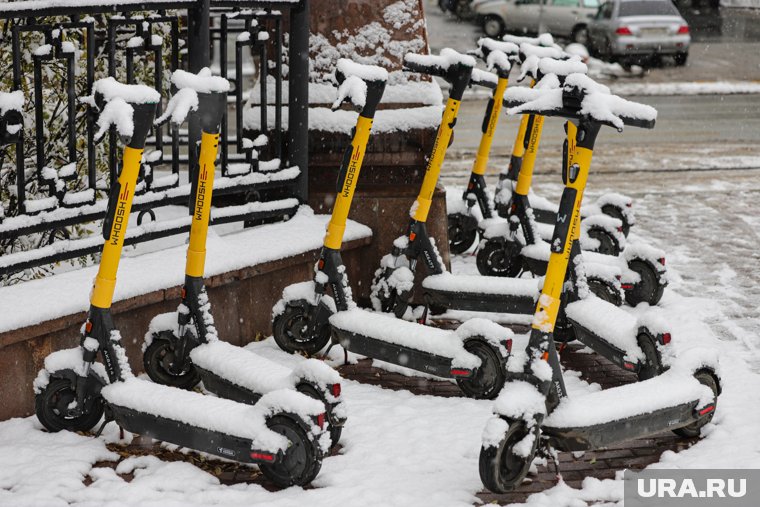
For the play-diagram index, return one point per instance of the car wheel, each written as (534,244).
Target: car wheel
(681,58)
(580,35)
(493,26)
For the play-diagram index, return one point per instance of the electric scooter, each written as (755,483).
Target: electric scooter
(394,280)
(306,318)
(283,434)
(183,348)
(534,415)
(502,253)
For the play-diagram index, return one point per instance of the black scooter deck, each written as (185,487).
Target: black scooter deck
(185,435)
(480,302)
(603,435)
(391,353)
(603,347)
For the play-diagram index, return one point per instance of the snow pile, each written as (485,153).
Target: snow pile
(687,88)
(65,359)
(474,284)
(202,82)
(438,64)
(348,67)
(11,101)
(305,291)
(561,67)
(111,89)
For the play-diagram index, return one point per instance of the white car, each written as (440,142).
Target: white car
(562,18)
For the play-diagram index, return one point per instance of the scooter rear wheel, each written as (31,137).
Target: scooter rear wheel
(608,244)
(51,406)
(694,429)
(615,212)
(605,291)
(463,232)
(302,460)
(290,329)
(489,377)
(501,469)
(649,288)
(157,360)
(311,391)
(499,257)
(652,365)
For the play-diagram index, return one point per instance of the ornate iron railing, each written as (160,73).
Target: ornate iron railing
(263,174)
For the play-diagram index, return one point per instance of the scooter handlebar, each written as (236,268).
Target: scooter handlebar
(450,65)
(361,85)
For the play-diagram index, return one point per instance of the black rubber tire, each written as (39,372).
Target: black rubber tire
(652,365)
(608,244)
(157,358)
(312,392)
(489,377)
(501,470)
(463,233)
(694,429)
(613,211)
(302,460)
(49,403)
(499,257)
(288,328)
(463,9)
(393,302)
(681,59)
(649,288)
(580,35)
(493,26)
(605,291)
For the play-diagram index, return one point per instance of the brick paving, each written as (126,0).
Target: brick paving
(601,464)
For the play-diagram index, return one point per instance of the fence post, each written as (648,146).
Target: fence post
(199,56)
(298,96)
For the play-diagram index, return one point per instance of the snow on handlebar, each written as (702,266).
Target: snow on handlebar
(352,79)
(115,102)
(189,85)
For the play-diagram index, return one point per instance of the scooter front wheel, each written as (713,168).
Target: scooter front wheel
(463,232)
(158,359)
(488,379)
(605,290)
(387,298)
(608,244)
(499,257)
(293,329)
(501,467)
(52,408)
(652,365)
(649,288)
(301,462)
(615,212)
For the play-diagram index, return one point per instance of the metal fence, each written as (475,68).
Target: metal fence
(263,173)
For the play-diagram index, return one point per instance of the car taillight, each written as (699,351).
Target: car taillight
(683,29)
(335,389)
(623,30)
(321,420)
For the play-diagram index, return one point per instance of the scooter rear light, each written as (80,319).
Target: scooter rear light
(620,229)
(460,372)
(626,286)
(262,456)
(661,260)
(683,29)
(321,421)
(335,390)
(629,205)
(623,30)
(707,410)
(508,345)
(629,366)
(665,338)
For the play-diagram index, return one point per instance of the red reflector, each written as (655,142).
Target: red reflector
(321,420)
(629,366)
(88,326)
(623,30)
(508,344)
(321,263)
(666,338)
(335,388)
(460,372)
(262,456)
(707,410)
(626,286)
(184,292)
(469,186)
(620,229)
(661,260)
(628,204)
(683,29)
